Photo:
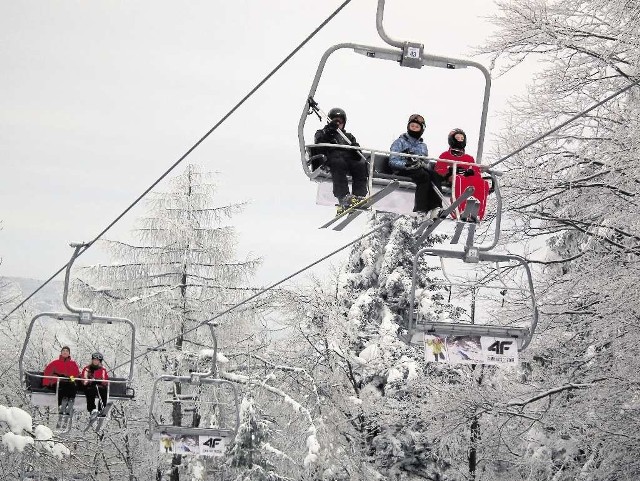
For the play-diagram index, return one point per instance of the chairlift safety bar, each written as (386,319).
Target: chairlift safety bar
(80,315)
(61,316)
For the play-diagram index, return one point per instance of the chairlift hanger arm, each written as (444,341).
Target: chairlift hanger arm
(84,314)
(212,371)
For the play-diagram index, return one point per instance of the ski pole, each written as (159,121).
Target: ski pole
(314,108)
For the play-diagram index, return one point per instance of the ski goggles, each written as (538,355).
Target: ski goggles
(418,119)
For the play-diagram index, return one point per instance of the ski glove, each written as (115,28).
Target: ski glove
(332,126)
(460,171)
(413,164)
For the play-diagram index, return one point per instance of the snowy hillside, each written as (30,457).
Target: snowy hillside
(48,299)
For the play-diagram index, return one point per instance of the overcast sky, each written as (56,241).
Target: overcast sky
(99,98)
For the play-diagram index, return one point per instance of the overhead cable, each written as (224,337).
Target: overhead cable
(388,223)
(191,149)
(558,127)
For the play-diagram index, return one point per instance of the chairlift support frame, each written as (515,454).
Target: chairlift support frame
(406,54)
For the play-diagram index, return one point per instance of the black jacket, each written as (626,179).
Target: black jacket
(328,136)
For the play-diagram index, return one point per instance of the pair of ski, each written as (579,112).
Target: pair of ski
(427,227)
(350,214)
(65,415)
(96,420)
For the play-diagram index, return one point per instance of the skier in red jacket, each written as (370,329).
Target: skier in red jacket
(67,371)
(94,378)
(466,175)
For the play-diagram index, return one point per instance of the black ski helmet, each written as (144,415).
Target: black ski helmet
(454,143)
(98,356)
(417,119)
(337,112)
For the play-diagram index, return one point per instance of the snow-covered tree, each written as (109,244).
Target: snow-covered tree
(576,190)
(182,272)
(376,392)
(252,440)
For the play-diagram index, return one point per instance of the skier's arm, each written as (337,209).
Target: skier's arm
(357,154)
(326,134)
(49,371)
(395,161)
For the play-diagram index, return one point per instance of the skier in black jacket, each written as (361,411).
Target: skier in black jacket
(342,162)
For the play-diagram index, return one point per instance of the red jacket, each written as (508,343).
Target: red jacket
(100,373)
(60,367)
(441,167)
(476,181)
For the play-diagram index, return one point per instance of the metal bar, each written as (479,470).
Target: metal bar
(412,297)
(84,315)
(483,256)
(380,27)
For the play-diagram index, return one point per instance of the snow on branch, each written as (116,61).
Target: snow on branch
(282,367)
(20,422)
(555,390)
(313,446)
(277,452)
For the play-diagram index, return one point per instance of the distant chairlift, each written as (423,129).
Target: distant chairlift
(118,388)
(220,394)
(406,54)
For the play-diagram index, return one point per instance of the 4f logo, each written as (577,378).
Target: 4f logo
(499,347)
(212,442)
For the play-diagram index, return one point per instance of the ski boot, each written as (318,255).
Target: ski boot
(344,203)
(356,200)
(97,418)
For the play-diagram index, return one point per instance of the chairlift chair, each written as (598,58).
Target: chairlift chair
(118,388)
(406,54)
(210,385)
(418,328)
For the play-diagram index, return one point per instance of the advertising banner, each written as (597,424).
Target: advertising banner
(471,350)
(214,446)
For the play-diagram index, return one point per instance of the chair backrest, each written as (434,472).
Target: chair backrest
(118,387)
(381,165)
(33,381)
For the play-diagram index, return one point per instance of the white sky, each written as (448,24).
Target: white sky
(99,98)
